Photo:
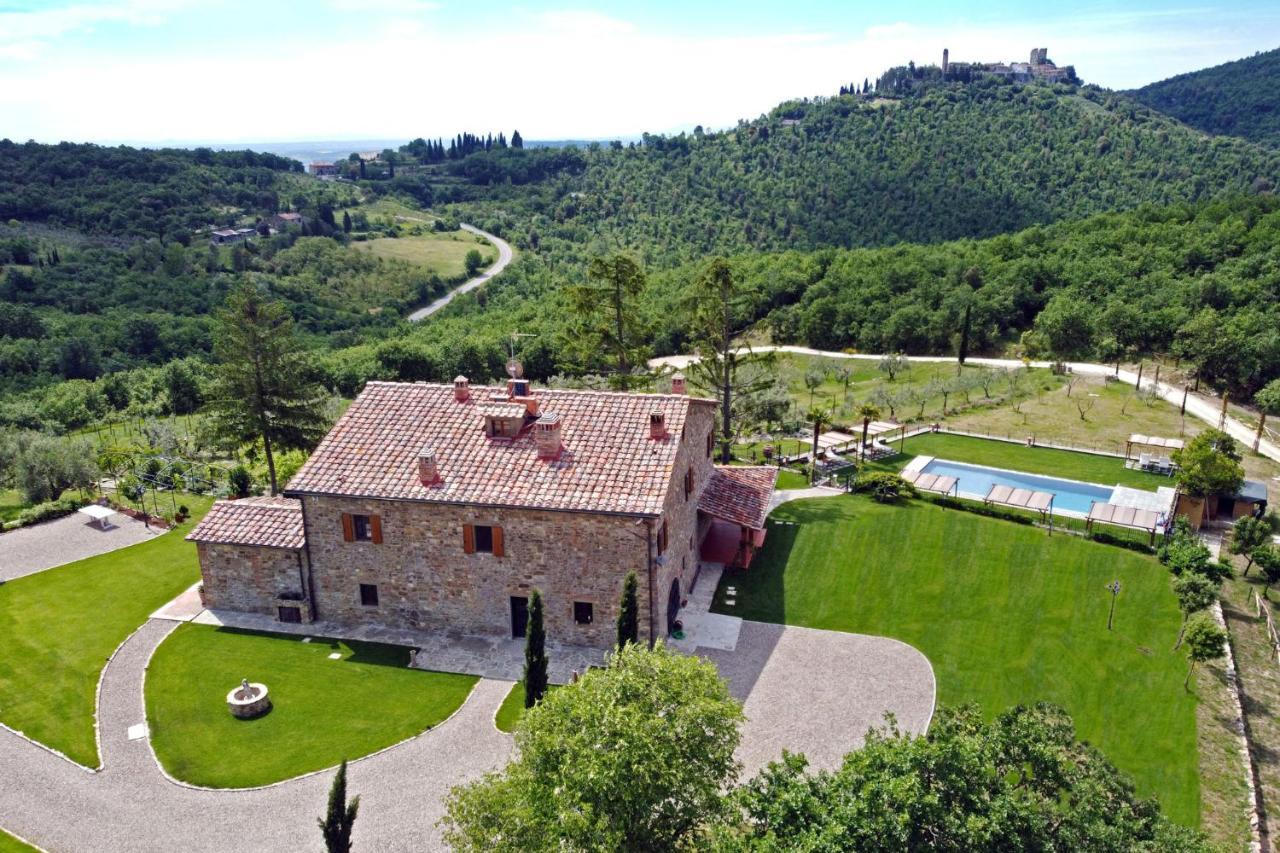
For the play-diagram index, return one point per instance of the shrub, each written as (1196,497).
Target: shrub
(239,481)
(884,487)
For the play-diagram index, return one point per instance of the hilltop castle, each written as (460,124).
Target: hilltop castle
(1041,67)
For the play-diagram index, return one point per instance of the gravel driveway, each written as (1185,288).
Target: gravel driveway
(28,550)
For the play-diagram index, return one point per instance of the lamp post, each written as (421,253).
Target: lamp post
(1114,586)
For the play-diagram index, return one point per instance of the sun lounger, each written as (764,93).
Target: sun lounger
(1144,461)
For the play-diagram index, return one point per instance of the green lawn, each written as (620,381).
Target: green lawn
(9,844)
(1013,616)
(12,503)
(1104,470)
(788,479)
(512,708)
(441,252)
(323,710)
(60,625)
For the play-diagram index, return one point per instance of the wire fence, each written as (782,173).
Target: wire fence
(1027,440)
(1264,610)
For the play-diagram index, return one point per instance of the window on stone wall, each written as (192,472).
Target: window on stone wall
(361,528)
(710,442)
(662,538)
(484,539)
(289,614)
(583,612)
(369,594)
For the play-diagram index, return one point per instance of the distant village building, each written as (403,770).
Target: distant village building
(225,236)
(1039,68)
(442,507)
(323,170)
(284,220)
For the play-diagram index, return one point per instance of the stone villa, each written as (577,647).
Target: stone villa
(439,508)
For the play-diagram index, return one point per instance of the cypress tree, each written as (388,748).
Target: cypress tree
(346,222)
(341,817)
(628,613)
(517,141)
(963,350)
(535,653)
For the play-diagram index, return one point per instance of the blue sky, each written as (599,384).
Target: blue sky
(177,70)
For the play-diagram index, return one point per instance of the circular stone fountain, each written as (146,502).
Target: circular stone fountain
(249,700)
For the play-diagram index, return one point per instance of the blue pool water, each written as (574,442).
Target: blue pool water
(976,481)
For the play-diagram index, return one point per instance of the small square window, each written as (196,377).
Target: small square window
(484,538)
(583,612)
(369,594)
(361,528)
(292,615)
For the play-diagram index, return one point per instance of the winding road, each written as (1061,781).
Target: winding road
(504,258)
(1204,408)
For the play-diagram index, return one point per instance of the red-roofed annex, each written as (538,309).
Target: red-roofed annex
(440,507)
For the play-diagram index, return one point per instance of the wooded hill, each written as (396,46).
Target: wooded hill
(123,192)
(954,160)
(1240,98)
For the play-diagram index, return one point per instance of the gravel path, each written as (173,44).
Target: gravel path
(806,690)
(28,550)
(131,806)
(504,258)
(1204,408)
(818,692)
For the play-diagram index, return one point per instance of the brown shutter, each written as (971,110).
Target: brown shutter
(375,528)
(348,528)
(497,543)
(468,539)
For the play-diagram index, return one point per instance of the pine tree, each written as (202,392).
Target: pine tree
(628,613)
(535,653)
(341,816)
(265,390)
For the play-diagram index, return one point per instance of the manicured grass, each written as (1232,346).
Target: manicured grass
(59,626)
(9,844)
(1004,613)
(511,710)
(12,503)
(1104,470)
(788,479)
(323,710)
(443,253)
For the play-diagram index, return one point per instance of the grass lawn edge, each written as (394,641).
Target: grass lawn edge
(164,771)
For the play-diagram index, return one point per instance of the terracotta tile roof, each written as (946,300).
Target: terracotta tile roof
(267,522)
(739,494)
(608,462)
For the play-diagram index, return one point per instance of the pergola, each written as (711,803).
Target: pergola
(1151,442)
(1041,502)
(932,482)
(1124,516)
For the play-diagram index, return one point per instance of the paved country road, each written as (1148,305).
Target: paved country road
(504,258)
(1204,408)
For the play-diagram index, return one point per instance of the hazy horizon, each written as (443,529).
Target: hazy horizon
(169,71)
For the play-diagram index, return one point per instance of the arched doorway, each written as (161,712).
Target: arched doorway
(673,605)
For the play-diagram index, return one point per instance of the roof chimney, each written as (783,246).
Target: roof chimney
(657,425)
(428,471)
(677,384)
(461,389)
(546,435)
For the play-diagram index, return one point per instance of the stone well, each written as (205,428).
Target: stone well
(249,700)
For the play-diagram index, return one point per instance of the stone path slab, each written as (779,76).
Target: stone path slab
(28,550)
(184,608)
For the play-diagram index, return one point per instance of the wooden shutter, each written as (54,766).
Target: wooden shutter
(348,528)
(468,539)
(662,538)
(497,542)
(375,528)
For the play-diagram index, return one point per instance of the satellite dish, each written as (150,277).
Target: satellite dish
(515,369)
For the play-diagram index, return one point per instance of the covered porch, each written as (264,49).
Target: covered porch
(733,508)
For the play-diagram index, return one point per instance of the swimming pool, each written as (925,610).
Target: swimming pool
(975,481)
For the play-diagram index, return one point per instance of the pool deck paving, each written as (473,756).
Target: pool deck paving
(28,550)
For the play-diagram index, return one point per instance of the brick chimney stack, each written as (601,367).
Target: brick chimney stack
(657,425)
(547,435)
(428,471)
(677,384)
(461,389)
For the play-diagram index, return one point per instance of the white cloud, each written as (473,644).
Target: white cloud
(389,7)
(27,34)
(560,74)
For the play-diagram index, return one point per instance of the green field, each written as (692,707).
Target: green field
(323,710)
(443,253)
(511,710)
(60,625)
(12,503)
(1012,617)
(1091,468)
(9,844)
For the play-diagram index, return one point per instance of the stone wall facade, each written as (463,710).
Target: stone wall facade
(249,578)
